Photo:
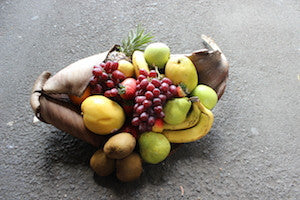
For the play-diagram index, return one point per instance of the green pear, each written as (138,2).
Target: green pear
(154,147)
(176,110)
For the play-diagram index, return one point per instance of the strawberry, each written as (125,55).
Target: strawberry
(127,88)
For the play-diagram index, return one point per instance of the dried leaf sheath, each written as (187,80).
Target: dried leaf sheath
(74,78)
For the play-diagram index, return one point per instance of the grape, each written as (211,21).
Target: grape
(147,103)
(141,77)
(152,74)
(166,80)
(158,109)
(107,93)
(156,92)
(150,87)
(138,87)
(135,121)
(151,121)
(139,92)
(155,82)
(104,76)
(94,80)
(163,98)
(114,66)
(140,109)
(102,65)
(164,87)
(149,95)
(144,72)
(139,99)
(144,116)
(118,75)
(173,90)
(110,84)
(114,92)
(97,71)
(108,66)
(144,83)
(169,95)
(156,102)
(161,115)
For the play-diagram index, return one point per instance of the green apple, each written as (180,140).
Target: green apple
(157,54)
(176,110)
(154,147)
(207,96)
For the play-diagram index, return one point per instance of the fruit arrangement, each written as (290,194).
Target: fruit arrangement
(135,102)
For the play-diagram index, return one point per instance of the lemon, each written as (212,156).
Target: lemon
(102,115)
(126,67)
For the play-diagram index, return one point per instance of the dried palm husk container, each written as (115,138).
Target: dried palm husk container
(49,98)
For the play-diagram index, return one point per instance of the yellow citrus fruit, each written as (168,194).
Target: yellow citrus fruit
(126,67)
(102,115)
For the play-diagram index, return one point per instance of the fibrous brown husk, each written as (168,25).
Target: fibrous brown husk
(48,94)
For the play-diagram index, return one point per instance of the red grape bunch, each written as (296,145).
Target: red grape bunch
(106,78)
(151,95)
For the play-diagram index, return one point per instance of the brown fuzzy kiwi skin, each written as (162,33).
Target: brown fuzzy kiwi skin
(119,146)
(129,168)
(101,164)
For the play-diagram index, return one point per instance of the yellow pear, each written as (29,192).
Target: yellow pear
(181,70)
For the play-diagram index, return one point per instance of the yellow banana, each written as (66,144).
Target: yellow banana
(139,62)
(195,133)
(190,121)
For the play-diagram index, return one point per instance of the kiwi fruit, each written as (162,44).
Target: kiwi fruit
(101,164)
(119,146)
(129,168)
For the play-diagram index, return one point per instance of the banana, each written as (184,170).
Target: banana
(139,62)
(190,121)
(196,132)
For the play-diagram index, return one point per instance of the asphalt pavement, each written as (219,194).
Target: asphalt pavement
(252,150)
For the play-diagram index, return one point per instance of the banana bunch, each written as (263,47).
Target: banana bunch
(196,125)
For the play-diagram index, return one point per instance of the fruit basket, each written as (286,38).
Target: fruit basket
(136,102)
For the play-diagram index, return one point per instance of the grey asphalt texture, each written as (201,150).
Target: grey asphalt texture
(252,150)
